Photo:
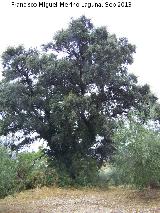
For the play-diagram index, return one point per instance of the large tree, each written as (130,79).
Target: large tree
(71,93)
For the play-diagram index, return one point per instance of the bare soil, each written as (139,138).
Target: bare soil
(57,200)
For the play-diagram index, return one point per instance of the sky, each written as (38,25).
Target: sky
(33,26)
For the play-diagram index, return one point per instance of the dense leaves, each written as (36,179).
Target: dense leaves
(137,161)
(7,172)
(71,93)
(25,170)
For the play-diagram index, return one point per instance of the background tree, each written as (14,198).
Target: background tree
(71,93)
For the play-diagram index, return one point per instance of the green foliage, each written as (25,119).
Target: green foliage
(7,173)
(69,101)
(25,171)
(137,161)
(104,176)
(81,172)
(86,171)
(33,171)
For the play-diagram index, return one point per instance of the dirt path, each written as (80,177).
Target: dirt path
(55,200)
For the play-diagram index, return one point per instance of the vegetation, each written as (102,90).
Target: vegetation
(25,171)
(33,171)
(7,173)
(72,94)
(137,160)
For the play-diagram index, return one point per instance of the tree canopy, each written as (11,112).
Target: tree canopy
(71,92)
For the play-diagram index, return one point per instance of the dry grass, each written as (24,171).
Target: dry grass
(56,200)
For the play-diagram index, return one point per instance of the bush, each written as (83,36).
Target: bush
(7,173)
(81,172)
(27,170)
(137,161)
(33,171)
(104,177)
(86,172)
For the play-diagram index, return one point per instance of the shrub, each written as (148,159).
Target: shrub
(33,171)
(86,171)
(7,173)
(137,161)
(25,171)
(81,172)
(104,176)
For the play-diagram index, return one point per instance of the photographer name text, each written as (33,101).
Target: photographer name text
(63,4)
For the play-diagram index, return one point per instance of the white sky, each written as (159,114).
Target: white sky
(140,24)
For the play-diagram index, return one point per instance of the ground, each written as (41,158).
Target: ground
(57,200)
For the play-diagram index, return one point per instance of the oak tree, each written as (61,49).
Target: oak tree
(71,92)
